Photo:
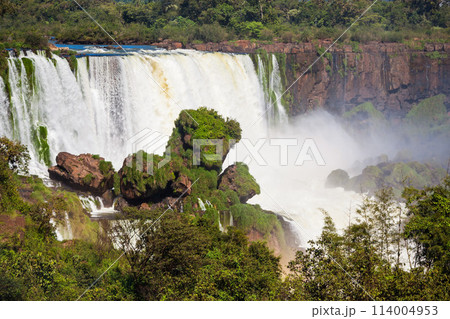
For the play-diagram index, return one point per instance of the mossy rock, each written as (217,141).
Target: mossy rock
(397,175)
(364,111)
(141,178)
(238,179)
(337,178)
(206,125)
(429,112)
(362,184)
(248,216)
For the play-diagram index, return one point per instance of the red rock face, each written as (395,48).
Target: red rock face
(182,186)
(392,76)
(82,172)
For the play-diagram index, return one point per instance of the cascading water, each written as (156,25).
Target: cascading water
(270,79)
(4,110)
(109,99)
(112,98)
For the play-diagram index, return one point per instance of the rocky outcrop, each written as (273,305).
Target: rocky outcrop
(182,186)
(85,172)
(337,178)
(207,146)
(238,179)
(139,182)
(393,76)
(395,175)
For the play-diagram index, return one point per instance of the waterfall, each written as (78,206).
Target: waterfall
(108,100)
(4,110)
(270,78)
(112,98)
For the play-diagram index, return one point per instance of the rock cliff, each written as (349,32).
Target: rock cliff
(393,76)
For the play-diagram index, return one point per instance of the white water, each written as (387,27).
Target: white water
(111,99)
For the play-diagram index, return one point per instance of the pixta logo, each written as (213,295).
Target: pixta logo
(147,142)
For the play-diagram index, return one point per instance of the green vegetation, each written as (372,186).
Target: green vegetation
(364,111)
(265,73)
(435,55)
(88,179)
(245,182)
(428,113)
(43,147)
(185,256)
(105,167)
(396,175)
(429,226)
(369,252)
(189,21)
(204,124)
(250,217)
(29,69)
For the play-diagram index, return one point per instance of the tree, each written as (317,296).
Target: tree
(429,225)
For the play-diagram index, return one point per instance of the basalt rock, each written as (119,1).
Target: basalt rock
(142,180)
(203,137)
(182,186)
(85,172)
(337,178)
(238,179)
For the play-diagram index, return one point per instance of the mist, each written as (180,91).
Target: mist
(298,190)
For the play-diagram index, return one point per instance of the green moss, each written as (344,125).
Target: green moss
(116,184)
(44,149)
(4,72)
(327,55)
(266,72)
(355,47)
(141,179)
(88,179)
(365,110)
(29,70)
(429,112)
(73,63)
(96,156)
(204,124)
(248,216)
(105,167)
(244,182)
(39,137)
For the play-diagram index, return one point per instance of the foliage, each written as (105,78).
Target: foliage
(187,21)
(397,175)
(105,167)
(429,112)
(14,154)
(364,263)
(250,217)
(243,183)
(176,260)
(184,256)
(14,157)
(205,126)
(365,111)
(429,225)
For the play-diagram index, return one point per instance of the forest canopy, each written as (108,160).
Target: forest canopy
(187,21)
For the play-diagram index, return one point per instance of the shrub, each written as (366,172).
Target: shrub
(266,35)
(211,33)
